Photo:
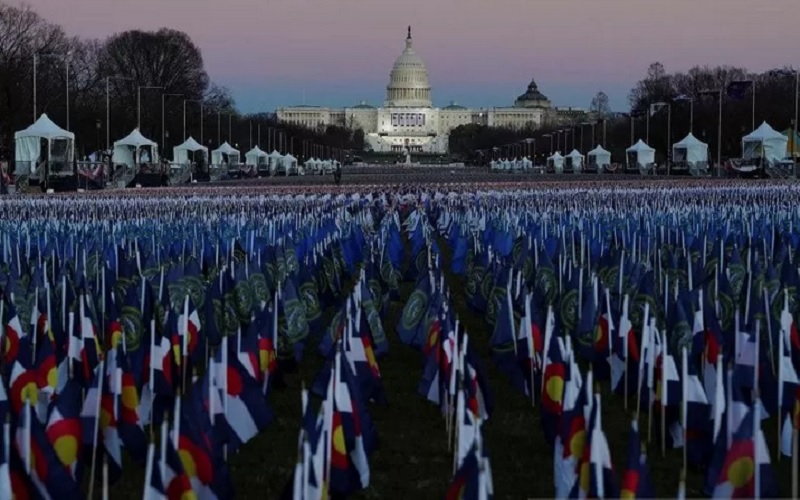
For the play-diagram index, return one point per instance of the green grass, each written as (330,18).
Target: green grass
(413,460)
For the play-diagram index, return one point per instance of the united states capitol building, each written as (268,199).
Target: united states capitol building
(409,121)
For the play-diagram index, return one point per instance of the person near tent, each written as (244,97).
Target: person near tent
(337,174)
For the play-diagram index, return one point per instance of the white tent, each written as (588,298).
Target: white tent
(764,142)
(184,153)
(28,142)
(135,149)
(575,159)
(290,163)
(640,154)
(226,154)
(255,156)
(600,157)
(690,149)
(556,161)
(527,163)
(275,161)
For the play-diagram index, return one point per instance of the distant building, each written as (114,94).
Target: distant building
(408,119)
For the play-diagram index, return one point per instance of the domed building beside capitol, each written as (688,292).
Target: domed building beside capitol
(409,121)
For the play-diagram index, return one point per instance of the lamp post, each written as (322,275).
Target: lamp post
(139,102)
(633,127)
(669,130)
(108,113)
(164,133)
(583,148)
(36,57)
(202,112)
(718,93)
(684,97)
(551,141)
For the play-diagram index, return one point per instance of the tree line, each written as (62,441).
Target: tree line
(693,99)
(150,67)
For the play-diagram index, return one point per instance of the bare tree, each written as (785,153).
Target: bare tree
(165,58)
(23,33)
(600,106)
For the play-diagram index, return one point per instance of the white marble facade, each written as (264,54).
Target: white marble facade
(408,118)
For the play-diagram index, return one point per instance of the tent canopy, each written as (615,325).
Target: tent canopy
(253,156)
(764,142)
(181,153)
(640,146)
(28,141)
(575,154)
(128,149)
(599,156)
(690,149)
(641,153)
(225,151)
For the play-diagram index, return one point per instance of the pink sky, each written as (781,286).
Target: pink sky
(479,52)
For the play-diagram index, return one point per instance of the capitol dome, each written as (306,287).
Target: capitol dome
(408,81)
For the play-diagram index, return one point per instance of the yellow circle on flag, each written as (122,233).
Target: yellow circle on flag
(555,388)
(66,449)
(576,444)
(188,463)
(338,441)
(741,471)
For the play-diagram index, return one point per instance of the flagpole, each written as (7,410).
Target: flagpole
(754,105)
(719,136)
(794,127)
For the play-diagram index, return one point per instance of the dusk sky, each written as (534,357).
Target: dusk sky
(480,53)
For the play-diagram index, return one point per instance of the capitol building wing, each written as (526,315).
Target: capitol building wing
(408,119)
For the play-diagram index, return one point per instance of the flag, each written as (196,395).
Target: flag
(636,479)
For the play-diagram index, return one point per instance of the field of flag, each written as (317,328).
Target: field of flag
(470,341)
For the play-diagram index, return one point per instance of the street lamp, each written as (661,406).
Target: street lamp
(36,56)
(108,113)
(583,148)
(139,102)
(199,101)
(551,141)
(669,130)
(164,133)
(682,98)
(718,93)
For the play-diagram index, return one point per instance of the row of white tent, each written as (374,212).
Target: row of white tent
(764,142)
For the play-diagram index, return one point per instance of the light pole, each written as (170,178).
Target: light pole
(684,97)
(551,141)
(164,134)
(36,56)
(583,148)
(202,112)
(108,113)
(718,93)
(139,102)
(669,130)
